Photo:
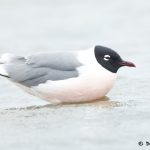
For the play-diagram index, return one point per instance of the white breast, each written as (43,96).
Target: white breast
(93,83)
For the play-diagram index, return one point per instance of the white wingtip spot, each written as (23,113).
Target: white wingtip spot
(3,70)
(7,57)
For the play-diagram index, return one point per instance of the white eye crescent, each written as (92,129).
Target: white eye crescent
(106,57)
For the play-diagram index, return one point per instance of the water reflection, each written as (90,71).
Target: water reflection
(105,102)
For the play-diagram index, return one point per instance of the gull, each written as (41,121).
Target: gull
(65,76)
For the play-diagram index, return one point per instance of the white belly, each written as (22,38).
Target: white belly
(91,85)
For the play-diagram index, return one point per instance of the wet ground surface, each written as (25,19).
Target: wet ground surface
(120,120)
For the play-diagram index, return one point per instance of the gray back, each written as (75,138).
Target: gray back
(39,68)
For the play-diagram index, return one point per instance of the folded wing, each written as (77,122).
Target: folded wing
(39,68)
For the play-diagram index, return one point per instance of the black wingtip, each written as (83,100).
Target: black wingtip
(4,76)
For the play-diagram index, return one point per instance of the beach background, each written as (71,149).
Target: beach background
(120,120)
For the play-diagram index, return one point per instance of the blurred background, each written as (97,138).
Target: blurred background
(29,26)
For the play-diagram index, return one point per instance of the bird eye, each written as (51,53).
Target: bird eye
(106,57)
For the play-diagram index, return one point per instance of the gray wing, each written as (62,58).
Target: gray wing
(39,68)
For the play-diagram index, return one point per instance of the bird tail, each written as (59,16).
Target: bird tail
(4,59)
(3,71)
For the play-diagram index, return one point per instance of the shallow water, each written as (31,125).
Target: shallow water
(120,120)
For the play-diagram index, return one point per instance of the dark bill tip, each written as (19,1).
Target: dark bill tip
(127,63)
